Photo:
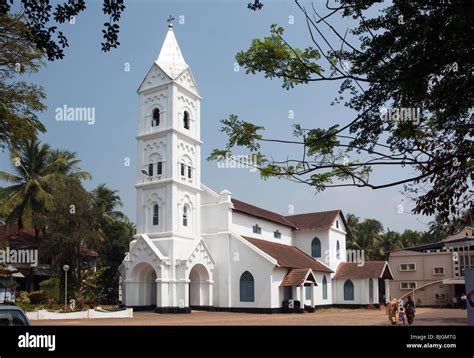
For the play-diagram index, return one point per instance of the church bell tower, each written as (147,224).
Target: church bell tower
(169,152)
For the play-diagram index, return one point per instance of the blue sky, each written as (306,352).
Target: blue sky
(212,33)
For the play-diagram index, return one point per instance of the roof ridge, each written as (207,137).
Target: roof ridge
(269,211)
(314,212)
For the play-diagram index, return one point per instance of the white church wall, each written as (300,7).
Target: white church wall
(361,292)
(186,101)
(243,258)
(156,194)
(336,236)
(190,200)
(243,224)
(215,218)
(318,290)
(278,275)
(303,239)
(219,247)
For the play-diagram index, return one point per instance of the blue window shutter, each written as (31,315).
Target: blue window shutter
(247,293)
(325,288)
(316,247)
(348,291)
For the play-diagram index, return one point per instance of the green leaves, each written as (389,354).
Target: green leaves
(241,133)
(38,171)
(19,100)
(276,58)
(321,141)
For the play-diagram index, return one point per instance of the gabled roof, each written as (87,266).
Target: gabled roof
(369,269)
(288,256)
(297,277)
(466,233)
(310,221)
(170,59)
(315,221)
(261,213)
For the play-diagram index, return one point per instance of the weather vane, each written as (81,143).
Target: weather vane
(170,21)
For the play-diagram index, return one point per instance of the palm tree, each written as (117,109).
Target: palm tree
(29,192)
(67,164)
(352,222)
(107,200)
(36,169)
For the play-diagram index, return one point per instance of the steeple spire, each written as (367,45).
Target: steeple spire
(170,58)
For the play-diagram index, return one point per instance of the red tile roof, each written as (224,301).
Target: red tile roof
(85,252)
(309,221)
(288,256)
(314,221)
(24,240)
(261,213)
(370,269)
(296,277)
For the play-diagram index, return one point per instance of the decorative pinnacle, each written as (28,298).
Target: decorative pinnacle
(170,22)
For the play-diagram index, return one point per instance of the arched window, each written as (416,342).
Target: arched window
(246,287)
(155,214)
(325,288)
(185,215)
(316,247)
(155,122)
(338,250)
(348,291)
(337,224)
(186,120)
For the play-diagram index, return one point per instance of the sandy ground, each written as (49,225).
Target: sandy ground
(424,316)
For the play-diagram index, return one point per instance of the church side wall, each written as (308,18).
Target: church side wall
(243,224)
(303,240)
(318,290)
(277,291)
(361,292)
(219,247)
(244,259)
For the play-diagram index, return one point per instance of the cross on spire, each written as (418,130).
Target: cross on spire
(170,22)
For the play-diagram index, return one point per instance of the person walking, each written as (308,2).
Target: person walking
(393,311)
(463,301)
(410,310)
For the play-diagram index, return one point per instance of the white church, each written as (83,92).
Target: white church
(196,248)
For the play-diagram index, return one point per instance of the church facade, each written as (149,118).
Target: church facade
(202,249)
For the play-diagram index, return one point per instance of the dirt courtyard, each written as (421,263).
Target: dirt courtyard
(424,316)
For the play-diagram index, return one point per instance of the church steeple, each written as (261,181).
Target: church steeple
(169,150)
(170,59)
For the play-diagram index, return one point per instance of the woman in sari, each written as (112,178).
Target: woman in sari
(393,311)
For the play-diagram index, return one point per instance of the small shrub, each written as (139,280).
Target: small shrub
(23,297)
(50,288)
(81,304)
(37,297)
